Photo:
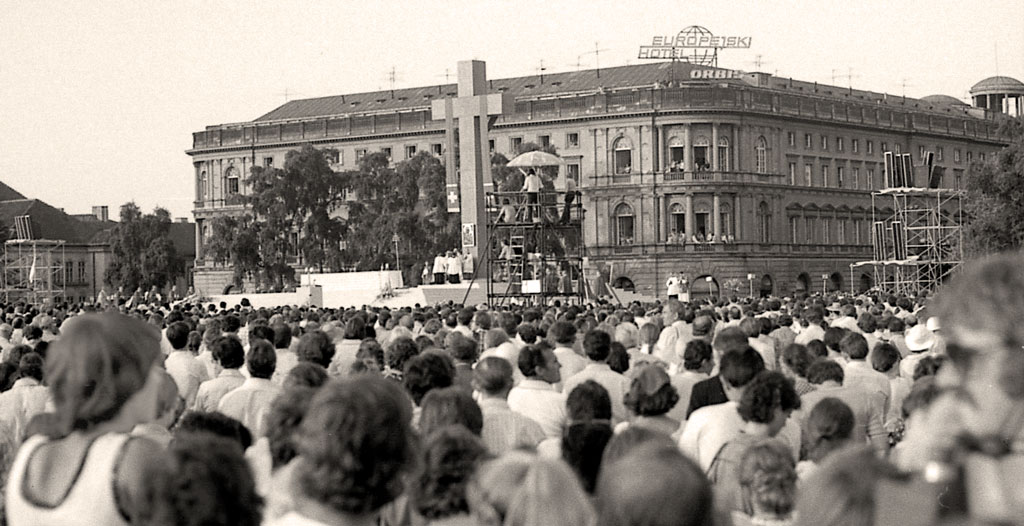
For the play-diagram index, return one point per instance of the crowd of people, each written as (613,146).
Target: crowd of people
(821,410)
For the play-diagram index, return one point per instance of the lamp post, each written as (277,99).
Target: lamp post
(711,286)
(398,262)
(824,284)
(750,279)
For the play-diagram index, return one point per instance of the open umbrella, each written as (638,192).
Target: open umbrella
(536,158)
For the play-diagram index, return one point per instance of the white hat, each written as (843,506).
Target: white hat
(919,338)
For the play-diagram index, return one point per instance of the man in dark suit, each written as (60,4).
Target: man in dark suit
(710,391)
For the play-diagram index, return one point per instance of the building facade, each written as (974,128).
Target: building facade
(777,172)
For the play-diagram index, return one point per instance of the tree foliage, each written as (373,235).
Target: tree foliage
(994,204)
(291,210)
(142,252)
(407,200)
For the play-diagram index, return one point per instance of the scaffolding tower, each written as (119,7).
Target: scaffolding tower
(920,244)
(536,250)
(33,271)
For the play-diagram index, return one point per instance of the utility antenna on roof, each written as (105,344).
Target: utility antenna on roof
(758,62)
(597,57)
(541,69)
(392,77)
(904,84)
(286,94)
(447,75)
(849,76)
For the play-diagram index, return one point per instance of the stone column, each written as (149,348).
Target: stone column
(661,148)
(736,216)
(713,150)
(690,219)
(716,220)
(199,239)
(688,151)
(734,149)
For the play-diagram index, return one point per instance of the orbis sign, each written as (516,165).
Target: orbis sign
(715,74)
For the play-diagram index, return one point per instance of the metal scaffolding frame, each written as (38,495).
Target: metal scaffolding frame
(534,256)
(920,244)
(34,271)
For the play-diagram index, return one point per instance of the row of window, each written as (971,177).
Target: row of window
(69,272)
(840,146)
(856,180)
(828,231)
(624,222)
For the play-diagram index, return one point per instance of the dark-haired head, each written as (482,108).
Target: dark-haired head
(316,347)
(306,374)
(228,352)
(356,445)
(216,423)
(449,406)
(206,479)
(449,458)
(654,485)
(588,401)
(425,372)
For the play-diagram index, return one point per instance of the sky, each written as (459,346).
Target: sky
(98,100)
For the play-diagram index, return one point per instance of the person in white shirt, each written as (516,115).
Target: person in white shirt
(711,427)
(752,328)
(27,398)
(250,402)
(503,429)
(848,319)
(453,267)
(188,373)
(885,358)
(813,331)
(858,372)
(676,328)
(563,335)
(440,262)
(535,396)
(532,185)
(672,284)
(697,363)
(597,345)
(286,357)
(5,341)
(228,352)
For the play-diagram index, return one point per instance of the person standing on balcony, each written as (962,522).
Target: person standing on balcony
(532,186)
(570,195)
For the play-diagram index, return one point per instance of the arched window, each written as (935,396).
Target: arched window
(723,154)
(725,219)
(701,147)
(764,216)
(676,154)
(762,155)
(678,213)
(202,186)
(623,150)
(231,175)
(623,224)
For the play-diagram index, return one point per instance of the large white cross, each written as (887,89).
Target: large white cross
(473,108)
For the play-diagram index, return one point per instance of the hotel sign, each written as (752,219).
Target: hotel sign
(694,44)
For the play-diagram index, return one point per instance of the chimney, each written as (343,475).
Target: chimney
(102,213)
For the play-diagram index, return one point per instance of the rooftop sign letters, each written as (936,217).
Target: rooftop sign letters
(693,44)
